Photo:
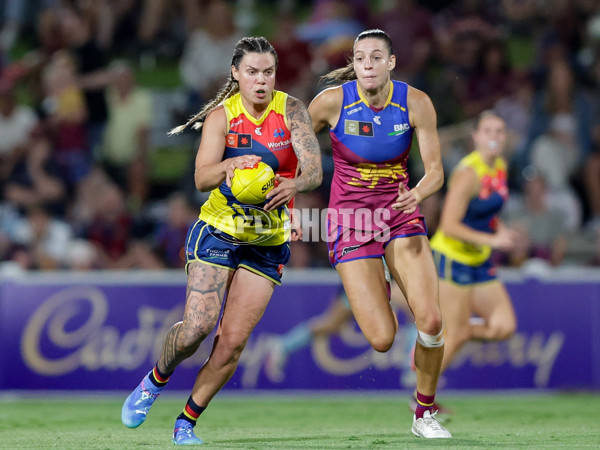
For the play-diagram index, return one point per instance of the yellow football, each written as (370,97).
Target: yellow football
(251,184)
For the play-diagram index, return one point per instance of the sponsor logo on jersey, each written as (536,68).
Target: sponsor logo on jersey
(239,140)
(399,128)
(350,249)
(417,223)
(279,145)
(235,124)
(356,128)
(377,120)
(354,110)
(278,133)
(257,131)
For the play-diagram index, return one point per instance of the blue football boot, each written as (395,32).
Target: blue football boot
(136,406)
(183,434)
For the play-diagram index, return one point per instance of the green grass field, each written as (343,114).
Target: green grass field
(305,421)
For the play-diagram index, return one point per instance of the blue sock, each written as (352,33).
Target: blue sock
(298,337)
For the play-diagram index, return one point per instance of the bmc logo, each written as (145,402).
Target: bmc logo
(401,127)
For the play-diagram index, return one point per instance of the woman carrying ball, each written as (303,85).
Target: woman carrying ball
(372,120)
(233,247)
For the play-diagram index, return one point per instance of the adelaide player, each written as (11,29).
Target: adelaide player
(247,122)
(462,245)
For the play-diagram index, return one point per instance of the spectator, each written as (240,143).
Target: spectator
(460,31)
(490,80)
(125,148)
(556,157)
(10,220)
(592,187)
(81,256)
(15,18)
(92,74)
(165,248)
(160,25)
(66,116)
(516,110)
(294,73)
(410,24)
(16,124)
(35,178)
(330,31)
(561,95)
(111,227)
(202,67)
(169,240)
(542,229)
(46,239)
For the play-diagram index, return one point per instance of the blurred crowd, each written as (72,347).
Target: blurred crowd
(80,181)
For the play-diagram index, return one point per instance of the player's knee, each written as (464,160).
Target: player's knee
(229,350)
(431,324)
(382,342)
(502,331)
(430,340)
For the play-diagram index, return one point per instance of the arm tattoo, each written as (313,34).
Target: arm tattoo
(305,145)
(204,298)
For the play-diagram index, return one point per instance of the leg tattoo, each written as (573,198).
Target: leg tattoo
(204,297)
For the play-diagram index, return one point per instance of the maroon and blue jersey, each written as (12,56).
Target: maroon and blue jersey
(370,153)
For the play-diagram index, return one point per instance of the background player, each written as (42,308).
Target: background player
(462,246)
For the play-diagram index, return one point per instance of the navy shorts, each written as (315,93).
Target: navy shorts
(208,245)
(462,274)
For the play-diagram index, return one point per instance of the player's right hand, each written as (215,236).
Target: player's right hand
(239,162)
(504,239)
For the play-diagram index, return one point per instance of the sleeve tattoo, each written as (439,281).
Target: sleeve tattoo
(305,145)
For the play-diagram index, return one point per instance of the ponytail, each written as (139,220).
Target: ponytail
(196,121)
(342,74)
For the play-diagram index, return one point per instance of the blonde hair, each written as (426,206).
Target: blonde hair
(231,87)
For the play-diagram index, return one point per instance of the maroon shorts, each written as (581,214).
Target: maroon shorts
(347,244)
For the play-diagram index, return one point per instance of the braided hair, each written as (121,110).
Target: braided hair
(231,86)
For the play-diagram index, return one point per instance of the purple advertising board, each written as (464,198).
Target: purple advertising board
(105,331)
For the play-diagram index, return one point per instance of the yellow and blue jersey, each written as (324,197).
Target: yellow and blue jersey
(482,212)
(270,138)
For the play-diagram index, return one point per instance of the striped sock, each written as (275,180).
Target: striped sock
(424,403)
(191,412)
(157,378)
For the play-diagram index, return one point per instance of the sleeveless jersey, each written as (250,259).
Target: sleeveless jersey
(370,153)
(482,211)
(268,137)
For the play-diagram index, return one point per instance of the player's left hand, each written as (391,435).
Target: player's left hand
(407,201)
(281,194)
(296,234)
